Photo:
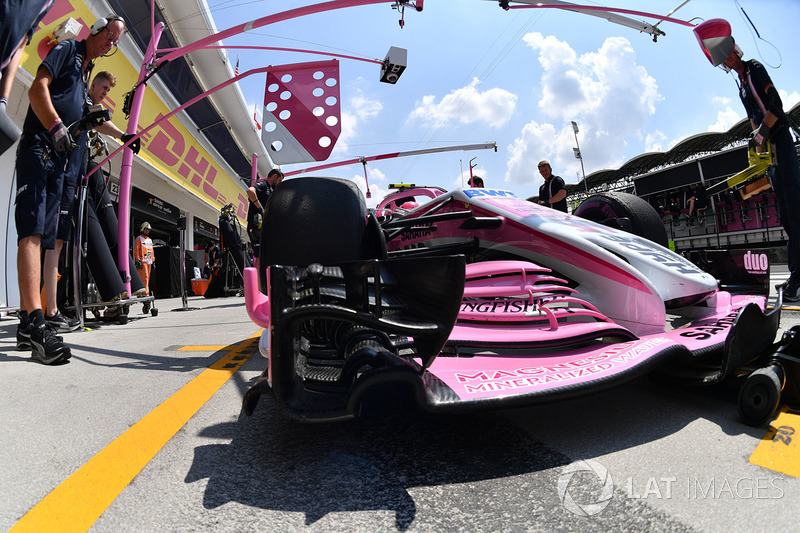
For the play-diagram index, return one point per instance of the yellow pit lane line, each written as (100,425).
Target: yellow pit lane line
(203,348)
(79,501)
(779,450)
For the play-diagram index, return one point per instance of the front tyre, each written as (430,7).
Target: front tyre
(318,220)
(624,211)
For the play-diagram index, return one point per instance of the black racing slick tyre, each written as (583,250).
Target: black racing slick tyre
(318,220)
(760,395)
(624,211)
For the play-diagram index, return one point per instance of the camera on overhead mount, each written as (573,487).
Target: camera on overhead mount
(394,64)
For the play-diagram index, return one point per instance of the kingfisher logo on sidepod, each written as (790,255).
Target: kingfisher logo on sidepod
(756,263)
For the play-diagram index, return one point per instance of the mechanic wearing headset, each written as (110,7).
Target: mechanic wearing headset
(769,122)
(57,97)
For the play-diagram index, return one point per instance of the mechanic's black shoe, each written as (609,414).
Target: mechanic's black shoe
(63,324)
(48,348)
(792,291)
(24,337)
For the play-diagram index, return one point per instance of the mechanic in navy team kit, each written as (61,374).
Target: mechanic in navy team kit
(258,195)
(770,123)
(552,192)
(57,97)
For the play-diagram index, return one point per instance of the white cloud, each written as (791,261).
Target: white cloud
(789,100)
(358,110)
(349,131)
(733,114)
(462,180)
(606,92)
(726,119)
(654,142)
(525,153)
(467,105)
(364,108)
(377,185)
(721,100)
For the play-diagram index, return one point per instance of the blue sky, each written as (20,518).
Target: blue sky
(479,74)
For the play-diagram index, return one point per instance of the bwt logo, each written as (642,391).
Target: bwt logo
(756,263)
(487,193)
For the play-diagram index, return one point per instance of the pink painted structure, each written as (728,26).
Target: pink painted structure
(152,62)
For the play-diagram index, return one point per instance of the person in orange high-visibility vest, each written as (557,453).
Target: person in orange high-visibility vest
(145,258)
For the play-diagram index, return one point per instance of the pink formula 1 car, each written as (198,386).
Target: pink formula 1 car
(478,298)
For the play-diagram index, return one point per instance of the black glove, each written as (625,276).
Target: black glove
(135,145)
(759,136)
(62,140)
(139,265)
(95,117)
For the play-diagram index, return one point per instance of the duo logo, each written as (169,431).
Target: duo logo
(756,263)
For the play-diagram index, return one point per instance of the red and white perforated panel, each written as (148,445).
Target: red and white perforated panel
(302,113)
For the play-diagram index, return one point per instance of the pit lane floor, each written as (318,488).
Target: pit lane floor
(141,431)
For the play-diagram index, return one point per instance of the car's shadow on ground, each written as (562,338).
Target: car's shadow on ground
(378,461)
(365,464)
(637,412)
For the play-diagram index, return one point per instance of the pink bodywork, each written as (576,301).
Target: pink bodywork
(495,369)
(492,372)
(406,199)
(522,330)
